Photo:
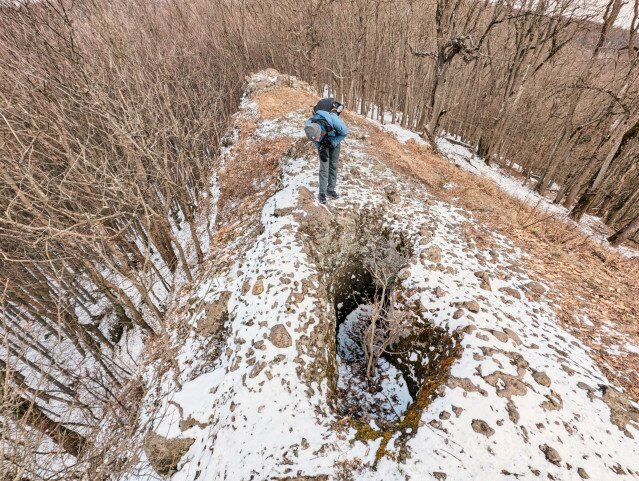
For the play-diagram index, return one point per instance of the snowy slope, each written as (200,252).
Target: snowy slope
(522,399)
(591,226)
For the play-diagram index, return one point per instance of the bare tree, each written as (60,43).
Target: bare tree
(28,411)
(618,237)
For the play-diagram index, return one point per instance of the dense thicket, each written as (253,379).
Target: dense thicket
(110,120)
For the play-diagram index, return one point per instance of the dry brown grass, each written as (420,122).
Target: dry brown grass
(253,168)
(384,146)
(251,172)
(277,103)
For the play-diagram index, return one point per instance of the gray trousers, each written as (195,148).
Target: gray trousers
(329,157)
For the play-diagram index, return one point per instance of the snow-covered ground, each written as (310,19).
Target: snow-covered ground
(523,400)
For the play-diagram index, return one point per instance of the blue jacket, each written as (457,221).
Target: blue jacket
(340,131)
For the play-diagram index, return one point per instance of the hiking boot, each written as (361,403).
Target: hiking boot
(322,198)
(333,195)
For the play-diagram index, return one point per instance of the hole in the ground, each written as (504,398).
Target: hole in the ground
(405,377)
(370,387)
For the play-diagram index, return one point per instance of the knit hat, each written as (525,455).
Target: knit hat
(313,131)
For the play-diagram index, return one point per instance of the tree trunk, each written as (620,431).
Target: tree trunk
(28,412)
(547,176)
(621,235)
(621,207)
(626,132)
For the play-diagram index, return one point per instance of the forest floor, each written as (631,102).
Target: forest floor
(523,366)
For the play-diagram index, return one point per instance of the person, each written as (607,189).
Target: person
(327,130)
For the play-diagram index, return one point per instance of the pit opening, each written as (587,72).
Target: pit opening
(410,371)
(369,386)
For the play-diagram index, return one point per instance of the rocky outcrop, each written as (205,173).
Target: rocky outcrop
(216,314)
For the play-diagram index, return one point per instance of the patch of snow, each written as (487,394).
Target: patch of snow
(393,398)
(404,135)
(586,320)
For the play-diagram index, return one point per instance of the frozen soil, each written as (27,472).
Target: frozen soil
(491,388)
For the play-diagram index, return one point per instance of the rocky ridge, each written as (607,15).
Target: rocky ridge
(499,390)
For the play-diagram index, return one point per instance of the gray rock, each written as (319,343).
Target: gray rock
(484,280)
(541,378)
(472,306)
(280,337)
(257,368)
(215,317)
(458,313)
(551,454)
(258,288)
(482,427)
(582,472)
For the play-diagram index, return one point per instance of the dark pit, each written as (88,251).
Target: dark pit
(415,366)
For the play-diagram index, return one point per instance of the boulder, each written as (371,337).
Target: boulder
(164,454)
(280,336)
(482,427)
(215,316)
(551,454)
(472,306)
(484,280)
(458,313)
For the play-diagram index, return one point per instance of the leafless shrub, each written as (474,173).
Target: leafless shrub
(386,324)
(110,121)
